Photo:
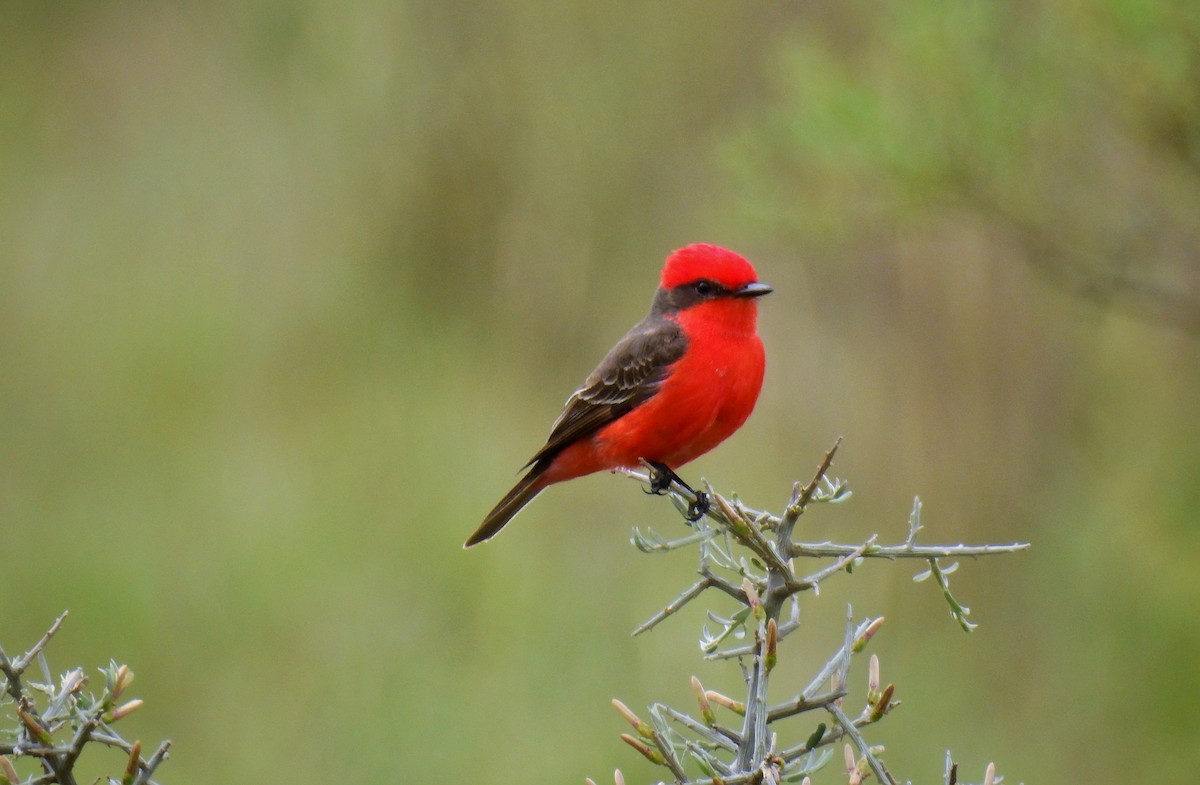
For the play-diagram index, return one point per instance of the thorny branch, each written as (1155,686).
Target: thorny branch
(55,736)
(755,548)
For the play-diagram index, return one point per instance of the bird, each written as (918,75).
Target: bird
(680,382)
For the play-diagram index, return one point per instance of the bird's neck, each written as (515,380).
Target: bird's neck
(728,318)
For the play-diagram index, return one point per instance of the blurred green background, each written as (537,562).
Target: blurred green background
(288,291)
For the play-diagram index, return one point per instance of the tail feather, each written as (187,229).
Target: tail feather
(522,493)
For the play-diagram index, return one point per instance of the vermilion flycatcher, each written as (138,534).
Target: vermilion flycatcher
(678,384)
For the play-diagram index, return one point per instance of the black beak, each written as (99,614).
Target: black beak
(755,289)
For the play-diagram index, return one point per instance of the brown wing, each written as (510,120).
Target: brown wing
(627,377)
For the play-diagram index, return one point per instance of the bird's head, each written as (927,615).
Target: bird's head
(712,279)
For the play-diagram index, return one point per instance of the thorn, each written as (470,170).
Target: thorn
(73,681)
(883,704)
(729,703)
(123,680)
(644,730)
(124,710)
(861,641)
(134,762)
(851,765)
(32,725)
(10,773)
(873,679)
(706,709)
(772,644)
(648,752)
(752,599)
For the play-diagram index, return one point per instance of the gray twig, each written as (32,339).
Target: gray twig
(41,734)
(764,580)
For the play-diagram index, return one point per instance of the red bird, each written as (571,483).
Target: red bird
(678,384)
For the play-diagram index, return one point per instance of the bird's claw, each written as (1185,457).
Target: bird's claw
(661,478)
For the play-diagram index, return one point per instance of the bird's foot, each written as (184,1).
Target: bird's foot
(661,477)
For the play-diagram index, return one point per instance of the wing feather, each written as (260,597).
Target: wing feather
(629,375)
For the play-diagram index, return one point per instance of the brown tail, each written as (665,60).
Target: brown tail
(522,493)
